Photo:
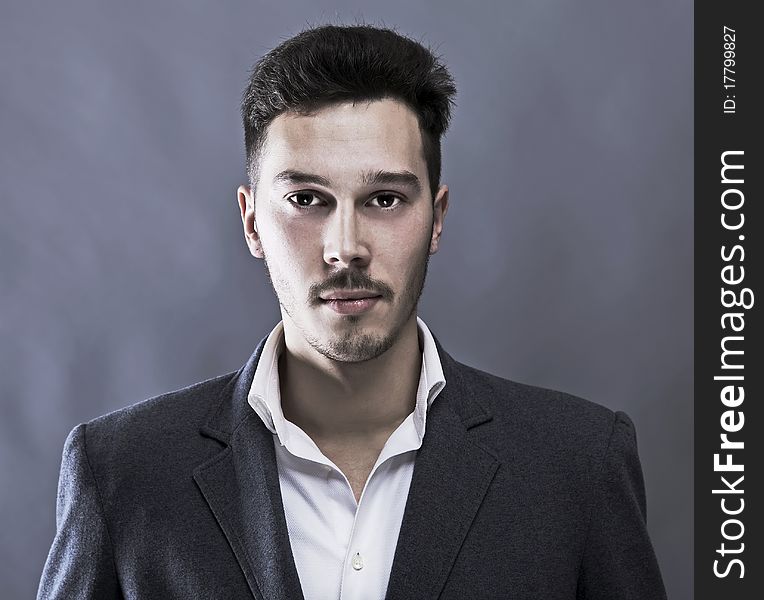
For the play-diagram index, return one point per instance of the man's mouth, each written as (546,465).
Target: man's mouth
(350,302)
(347,295)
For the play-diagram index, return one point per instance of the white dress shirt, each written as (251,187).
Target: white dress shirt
(342,549)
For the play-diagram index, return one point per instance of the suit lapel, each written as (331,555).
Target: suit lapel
(451,476)
(241,486)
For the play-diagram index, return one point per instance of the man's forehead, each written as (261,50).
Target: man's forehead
(367,136)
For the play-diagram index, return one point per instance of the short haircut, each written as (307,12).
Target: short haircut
(332,64)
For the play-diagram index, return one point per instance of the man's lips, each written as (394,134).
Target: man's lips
(348,295)
(350,302)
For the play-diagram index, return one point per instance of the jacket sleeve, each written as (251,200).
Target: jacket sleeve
(619,561)
(80,563)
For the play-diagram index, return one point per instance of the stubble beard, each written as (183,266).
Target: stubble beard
(353,346)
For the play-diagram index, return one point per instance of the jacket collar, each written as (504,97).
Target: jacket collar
(451,475)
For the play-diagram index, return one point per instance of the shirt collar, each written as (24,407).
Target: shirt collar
(265,394)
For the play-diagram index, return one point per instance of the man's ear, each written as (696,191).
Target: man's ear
(439,209)
(246,198)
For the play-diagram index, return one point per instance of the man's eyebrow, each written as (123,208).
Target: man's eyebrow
(290,176)
(405,178)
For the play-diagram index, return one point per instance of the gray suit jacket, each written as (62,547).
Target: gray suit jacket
(518,492)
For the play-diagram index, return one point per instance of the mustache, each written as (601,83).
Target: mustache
(349,279)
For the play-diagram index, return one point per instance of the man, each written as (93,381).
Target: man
(351,457)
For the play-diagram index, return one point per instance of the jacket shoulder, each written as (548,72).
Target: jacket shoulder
(187,402)
(507,394)
(540,419)
(169,422)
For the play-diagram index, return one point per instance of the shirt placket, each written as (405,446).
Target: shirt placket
(360,566)
(361,570)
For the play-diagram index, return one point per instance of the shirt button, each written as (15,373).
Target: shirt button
(357,562)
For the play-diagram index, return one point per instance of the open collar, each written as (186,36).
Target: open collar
(452,473)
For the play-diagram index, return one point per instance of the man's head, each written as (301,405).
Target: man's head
(343,128)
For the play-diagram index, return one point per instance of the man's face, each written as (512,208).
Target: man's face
(345,221)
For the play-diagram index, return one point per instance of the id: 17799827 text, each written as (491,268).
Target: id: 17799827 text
(728,72)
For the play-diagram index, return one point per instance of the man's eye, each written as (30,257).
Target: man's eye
(388,201)
(303,199)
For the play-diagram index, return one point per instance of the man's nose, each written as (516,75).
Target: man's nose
(344,244)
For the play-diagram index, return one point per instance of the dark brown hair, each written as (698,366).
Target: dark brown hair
(331,63)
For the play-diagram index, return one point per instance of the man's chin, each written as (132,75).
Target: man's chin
(354,348)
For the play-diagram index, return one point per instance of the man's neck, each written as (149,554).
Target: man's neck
(341,402)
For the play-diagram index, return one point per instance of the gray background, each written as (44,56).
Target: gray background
(567,255)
